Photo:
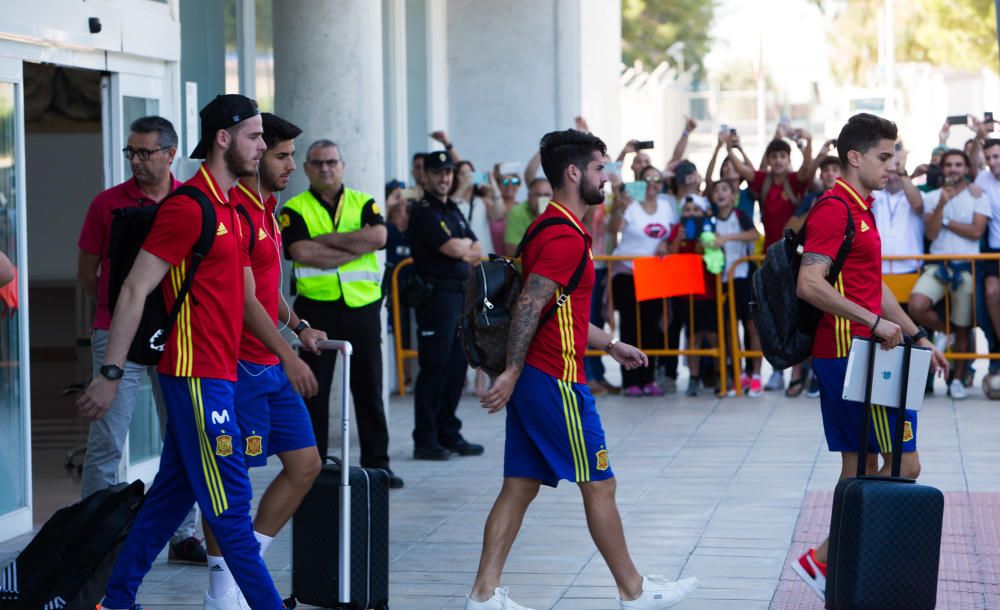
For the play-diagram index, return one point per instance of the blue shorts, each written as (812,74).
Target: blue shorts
(202,461)
(842,418)
(271,414)
(554,432)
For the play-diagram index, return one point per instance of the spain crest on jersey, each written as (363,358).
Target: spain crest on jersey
(223,445)
(602,459)
(255,445)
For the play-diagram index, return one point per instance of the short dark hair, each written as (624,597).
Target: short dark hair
(991,143)
(416,156)
(951,152)
(560,149)
(830,160)
(776,146)
(726,182)
(277,129)
(320,143)
(166,136)
(863,131)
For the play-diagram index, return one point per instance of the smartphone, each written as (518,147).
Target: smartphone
(480,178)
(958,119)
(636,190)
(988,117)
(410,193)
(934,176)
(644,144)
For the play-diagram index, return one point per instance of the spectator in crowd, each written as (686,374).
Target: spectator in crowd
(595,219)
(523,214)
(644,226)
(989,180)
(746,202)
(331,233)
(444,251)
(779,191)
(152,144)
(508,186)
(736,234)
(829,170)
(899,213)
(955,220)
(477,202)
(697,312)
(397,249)
(417,171)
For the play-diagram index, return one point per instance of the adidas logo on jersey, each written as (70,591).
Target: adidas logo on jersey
(222,229)
(55,604)
(261,234)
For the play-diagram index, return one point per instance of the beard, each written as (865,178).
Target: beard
(270,181)
(238,164)
(591,193)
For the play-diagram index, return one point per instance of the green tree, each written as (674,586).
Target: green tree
(959,34)
(650,27)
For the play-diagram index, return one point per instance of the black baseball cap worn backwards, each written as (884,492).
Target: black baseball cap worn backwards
(223,112)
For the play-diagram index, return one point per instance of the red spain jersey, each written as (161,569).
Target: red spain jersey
(205,340)
(558,346)
(265,261)
(860,280)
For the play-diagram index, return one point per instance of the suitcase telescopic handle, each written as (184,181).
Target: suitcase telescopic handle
(897,437)
(344,552)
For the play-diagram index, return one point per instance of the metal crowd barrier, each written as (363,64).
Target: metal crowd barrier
(900,284)
(718,352)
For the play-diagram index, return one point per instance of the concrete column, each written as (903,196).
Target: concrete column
(328,81)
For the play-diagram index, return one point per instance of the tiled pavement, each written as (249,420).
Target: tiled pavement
(707,487)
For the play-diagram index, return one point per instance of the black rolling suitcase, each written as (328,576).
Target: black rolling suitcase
(340,558)
(885,532)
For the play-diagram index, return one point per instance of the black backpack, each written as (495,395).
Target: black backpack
(490,296)
(787,324)
(69,561)
(129,228)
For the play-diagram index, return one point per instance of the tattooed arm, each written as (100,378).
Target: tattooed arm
(536,293)
(814,288)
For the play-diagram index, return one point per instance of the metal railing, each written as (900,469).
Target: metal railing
(719,352)
(738,353)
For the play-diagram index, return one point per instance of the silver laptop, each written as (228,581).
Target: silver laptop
(888,375)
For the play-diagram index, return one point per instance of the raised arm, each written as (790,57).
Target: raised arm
(807,171)
(744,169)
(682,142)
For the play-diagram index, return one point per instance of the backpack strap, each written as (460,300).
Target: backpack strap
(201,248)
(845,246)
(246,216)
(574,279)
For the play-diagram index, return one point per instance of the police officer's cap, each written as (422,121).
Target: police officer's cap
(223,112)
(437,161)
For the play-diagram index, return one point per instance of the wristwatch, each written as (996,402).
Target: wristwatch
(945,222)
(920,334)
(111,372)
(611,344)
(302,325)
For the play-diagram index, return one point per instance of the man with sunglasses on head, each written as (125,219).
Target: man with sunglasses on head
(152,144)
(522,215)
(331,233)
(444,250)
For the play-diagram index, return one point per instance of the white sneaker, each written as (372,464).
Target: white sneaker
(499,601)
(956,390)
(232,600)
(659,593)
(776,383)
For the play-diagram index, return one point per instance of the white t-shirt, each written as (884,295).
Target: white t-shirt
(991,185)
(901,229)
(642,233)
(479,222)
(736,222)
(960,209)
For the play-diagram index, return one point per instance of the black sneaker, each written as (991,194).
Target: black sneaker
(464,447)
(438,454)
(189,551)
(395,481)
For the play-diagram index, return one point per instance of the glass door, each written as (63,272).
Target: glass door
(127,97)
(15,400)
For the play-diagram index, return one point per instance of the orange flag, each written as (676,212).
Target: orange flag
(668,276)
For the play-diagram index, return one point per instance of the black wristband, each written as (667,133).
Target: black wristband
(878,319)
(301,326)
(920,334)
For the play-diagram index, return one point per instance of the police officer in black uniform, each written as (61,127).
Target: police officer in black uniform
(444,250)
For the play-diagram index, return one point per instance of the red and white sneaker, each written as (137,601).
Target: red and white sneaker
(812,572)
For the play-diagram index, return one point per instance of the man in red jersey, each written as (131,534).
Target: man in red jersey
(553,429)
(202,457)
(858,304)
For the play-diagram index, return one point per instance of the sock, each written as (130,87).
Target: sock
(265,541)
(220,579)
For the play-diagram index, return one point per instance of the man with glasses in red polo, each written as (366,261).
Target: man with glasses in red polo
(152,144)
